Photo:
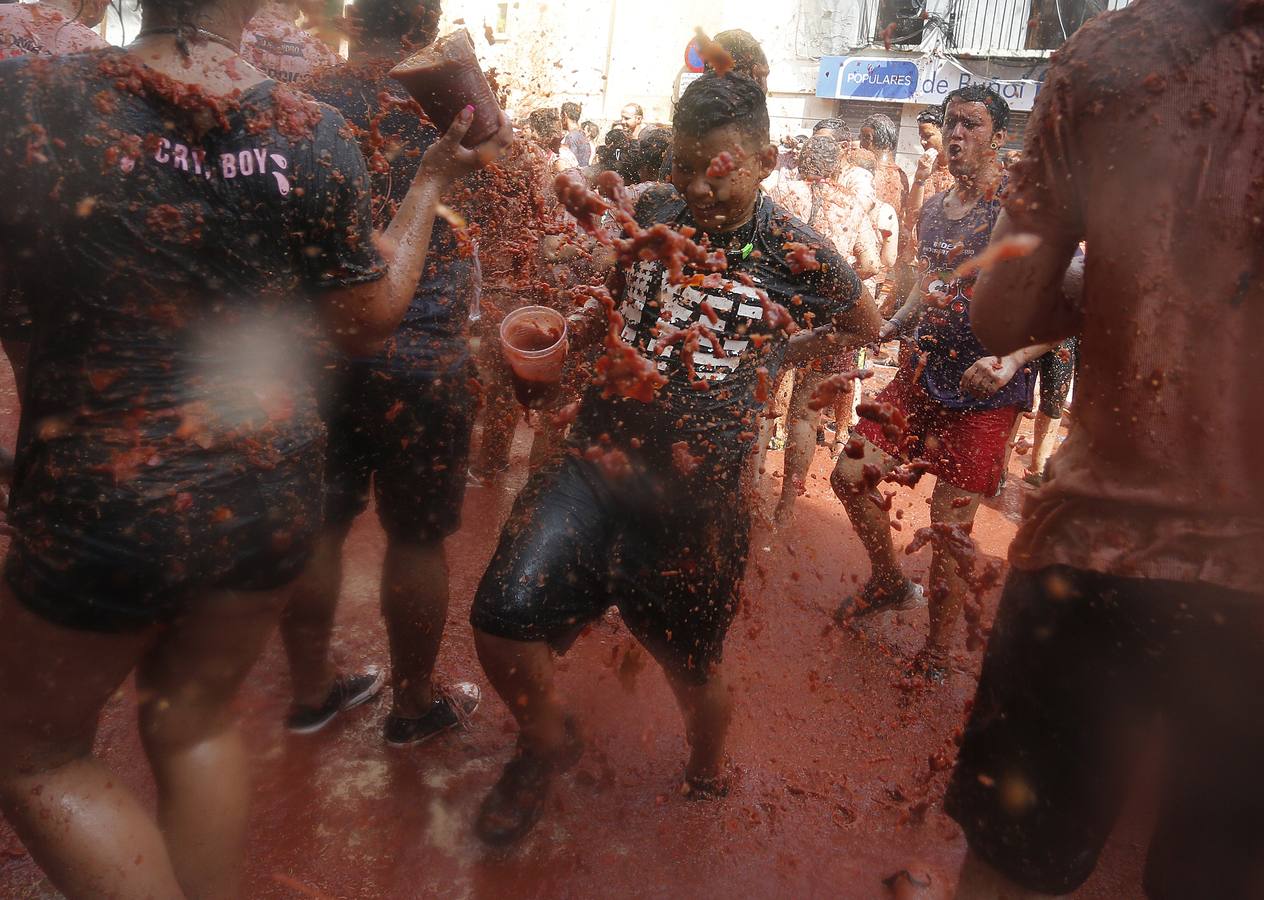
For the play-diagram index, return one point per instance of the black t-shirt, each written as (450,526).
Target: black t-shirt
(723,415)
(432,332)
(169,246)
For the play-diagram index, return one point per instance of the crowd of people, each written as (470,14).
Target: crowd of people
(247,288)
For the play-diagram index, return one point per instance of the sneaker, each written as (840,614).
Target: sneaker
(515,803)
(873,599)
(452,706)
(348,692)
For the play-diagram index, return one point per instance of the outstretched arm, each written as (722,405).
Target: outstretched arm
(1028,299)
(856,327)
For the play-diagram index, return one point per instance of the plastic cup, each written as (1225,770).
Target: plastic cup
(445,78)
(533,341)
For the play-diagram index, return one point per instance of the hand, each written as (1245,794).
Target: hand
(585,325)
(925,165)
(447,160)
(988,375)
(890,328)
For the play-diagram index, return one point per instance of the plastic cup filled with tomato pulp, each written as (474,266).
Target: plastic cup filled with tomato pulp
(533,341)
(444,78)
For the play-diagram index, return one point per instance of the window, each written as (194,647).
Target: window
(502,19)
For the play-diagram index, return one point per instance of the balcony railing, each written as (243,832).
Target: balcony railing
(977,27)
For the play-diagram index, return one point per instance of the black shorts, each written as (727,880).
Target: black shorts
(667,550)
(115,554)
(406,428)
(1055,377)
(1076,660)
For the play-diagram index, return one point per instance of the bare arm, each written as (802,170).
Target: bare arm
(991,373)
(854,328)
(865,249)
(362,316)
(1030,299)
(917,190)
(907,316)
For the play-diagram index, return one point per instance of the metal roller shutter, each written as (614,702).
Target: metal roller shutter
(1017,130)
(853,112)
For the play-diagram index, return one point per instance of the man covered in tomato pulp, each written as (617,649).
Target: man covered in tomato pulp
(647,511)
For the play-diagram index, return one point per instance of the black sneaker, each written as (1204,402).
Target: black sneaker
(348,692)
(452,706)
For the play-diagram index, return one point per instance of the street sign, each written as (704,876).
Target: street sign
(693,57)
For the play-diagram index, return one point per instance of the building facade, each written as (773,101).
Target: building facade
(845,58)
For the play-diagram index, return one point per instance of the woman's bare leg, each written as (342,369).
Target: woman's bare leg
(88,832)
(189,729)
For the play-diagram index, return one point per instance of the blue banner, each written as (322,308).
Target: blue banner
(867,78)
(923,80)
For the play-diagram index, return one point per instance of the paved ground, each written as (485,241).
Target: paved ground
(836,786)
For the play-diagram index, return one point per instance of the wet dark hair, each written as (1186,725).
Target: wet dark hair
(820,158)
(830,124)
(652,150)
(572,110)
(547,125)
(713,102)
(746,52)
(416,21)
(884,131)
(931,115)
(614,149)
(978,92)
(590,129)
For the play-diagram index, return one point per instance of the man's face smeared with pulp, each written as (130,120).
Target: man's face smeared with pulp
(968,138)
(720,202)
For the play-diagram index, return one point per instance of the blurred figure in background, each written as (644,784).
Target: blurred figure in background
(399,420)
(831,128)
(843,217)
(273,43)
(48,28)
(748,56)
(544,129)
(575,138)
(879,136)
(1057,371)
(631,119)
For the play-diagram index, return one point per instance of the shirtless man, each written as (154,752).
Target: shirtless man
(1137,572)
(878,135)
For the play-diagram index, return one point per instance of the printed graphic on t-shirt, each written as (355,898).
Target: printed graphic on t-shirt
(246,163)
(30,29)
(649,300)
(283,51)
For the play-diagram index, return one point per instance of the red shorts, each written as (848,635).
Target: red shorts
(966,448)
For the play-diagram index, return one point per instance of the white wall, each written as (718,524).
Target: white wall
(613,52)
